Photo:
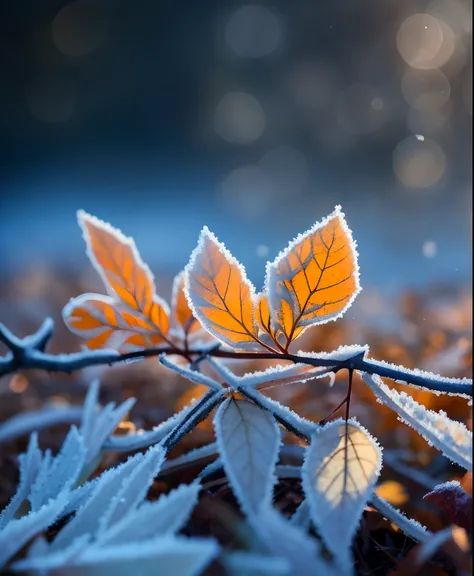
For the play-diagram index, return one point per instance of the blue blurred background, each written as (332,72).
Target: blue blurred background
(254,119)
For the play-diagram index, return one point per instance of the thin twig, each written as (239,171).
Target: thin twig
(28,353)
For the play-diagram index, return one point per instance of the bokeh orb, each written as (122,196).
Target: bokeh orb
(418,162)
(239,118)
(254,32)
(425,89)
(78,28)
(425,42)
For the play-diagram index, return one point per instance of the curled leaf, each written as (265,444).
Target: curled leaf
(132,316)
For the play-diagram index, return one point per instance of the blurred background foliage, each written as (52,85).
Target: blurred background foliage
(255,119)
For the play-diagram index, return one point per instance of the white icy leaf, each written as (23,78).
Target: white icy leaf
(165,516)
(96,425)
(30,463)
(26,422)
(99,495)
(59,473)
(162,555)
(17,532)
(134,487)
(283,539)
(341,467)
(241,563)
(452,438)
(248,439)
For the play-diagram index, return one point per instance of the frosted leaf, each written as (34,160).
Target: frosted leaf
(99,494)
(248,439)
(134,487)
(220,295)
(164,516)
(454,501)
(23,424)
(281,538)
(341,467)
(162,555)
(97,426)
(29,466)
(240,563)
(452,438)
(18,532)
(59,473)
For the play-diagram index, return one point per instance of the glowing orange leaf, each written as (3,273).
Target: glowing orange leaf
(107,324)
(182,313)
(220,295)
(315,279)
(132,316)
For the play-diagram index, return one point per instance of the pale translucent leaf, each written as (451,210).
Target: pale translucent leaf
(59,473)
(164,516)
(166,555)
(452,438)
(134,487)
(248,439)
(98,498)
(340,470)
(30,463)
(283,539)
(18,532)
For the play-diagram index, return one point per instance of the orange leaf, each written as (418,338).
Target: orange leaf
(132,316)
(182,313)
(106,324)
(263,319)
(220,295)
(118,262)
(315,279)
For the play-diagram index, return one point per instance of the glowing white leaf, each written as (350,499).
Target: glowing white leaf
(248,439)
(452,438)
(341,467)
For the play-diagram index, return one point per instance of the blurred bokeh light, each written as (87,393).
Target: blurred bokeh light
(253,118)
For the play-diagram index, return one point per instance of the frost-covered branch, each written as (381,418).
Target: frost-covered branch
(28,353)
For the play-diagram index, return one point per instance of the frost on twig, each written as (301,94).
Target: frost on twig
(452,438)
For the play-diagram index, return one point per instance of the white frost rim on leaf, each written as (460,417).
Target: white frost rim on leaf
(270,271)
(205,237)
